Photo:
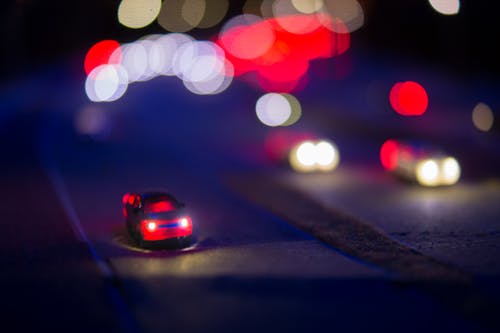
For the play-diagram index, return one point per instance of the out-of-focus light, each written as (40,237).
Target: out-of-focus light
(273,109)
(409,98)
(135,61)
(215,10)
(252,7)
(195,60)
(327,156)
(157,55)
(148,43)
(184,222)
(295,110)
(446,7)
(106,83)
(483,117)
(293,21)
(167,47)
(279,57)
(279,142)
(247,36)
(348,13)
(427,173)
(306,155)
(214,84)
(419,162)
(311,156)
(137,14)
(450,171)
(203,67)
(102,53)
(193,11)
(266,8)
(182,15)
(92,121)
(307,6)
(151,226)
(389,154)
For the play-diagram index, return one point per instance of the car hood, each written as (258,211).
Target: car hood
(167,215)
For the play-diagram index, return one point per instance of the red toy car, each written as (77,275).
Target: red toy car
(157,217)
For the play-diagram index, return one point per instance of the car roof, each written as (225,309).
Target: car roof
(156,194)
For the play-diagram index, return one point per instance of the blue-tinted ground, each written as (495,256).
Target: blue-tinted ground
(67,263)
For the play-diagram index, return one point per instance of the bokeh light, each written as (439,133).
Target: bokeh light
(215,10)
(92,121)
(446,7)
(252,7)
(409,98)
(279,58)
(201,65)
(273,109)
(279,143)
(389,154)
(345,15)
(482,117)
(295,110)
(266,8)
(307,6)
(203,68)
(106,83)
(182,15)
(327,157)
(309,156)
(450,171)
(427,173)
(193,11)
(305,156)
(102,53)
(293,21)
(247,36)
(417,161)
(137,14)
(168,46)
(135,61)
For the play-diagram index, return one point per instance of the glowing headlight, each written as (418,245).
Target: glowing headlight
(306,154)
(151,226)
(450,171)
(419,162)
(327,157)
(312,156)
(428,173)
(184,223)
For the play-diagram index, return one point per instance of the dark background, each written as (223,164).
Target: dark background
(35,33)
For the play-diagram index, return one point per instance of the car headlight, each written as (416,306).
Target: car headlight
(427,173)
(184,222)
(151,225)
(450,171)
(311,156)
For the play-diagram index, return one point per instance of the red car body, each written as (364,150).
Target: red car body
(154,217)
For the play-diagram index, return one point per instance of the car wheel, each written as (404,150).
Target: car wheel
(140,240)
(130,230)
(185,241)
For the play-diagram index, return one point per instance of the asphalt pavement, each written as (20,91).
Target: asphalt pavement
(250,268)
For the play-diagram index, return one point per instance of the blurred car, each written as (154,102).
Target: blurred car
(157,217)
(420,162)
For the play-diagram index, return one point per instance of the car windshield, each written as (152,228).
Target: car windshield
(159,204)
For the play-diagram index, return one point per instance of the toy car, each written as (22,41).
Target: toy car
(419,162)
(157,218)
